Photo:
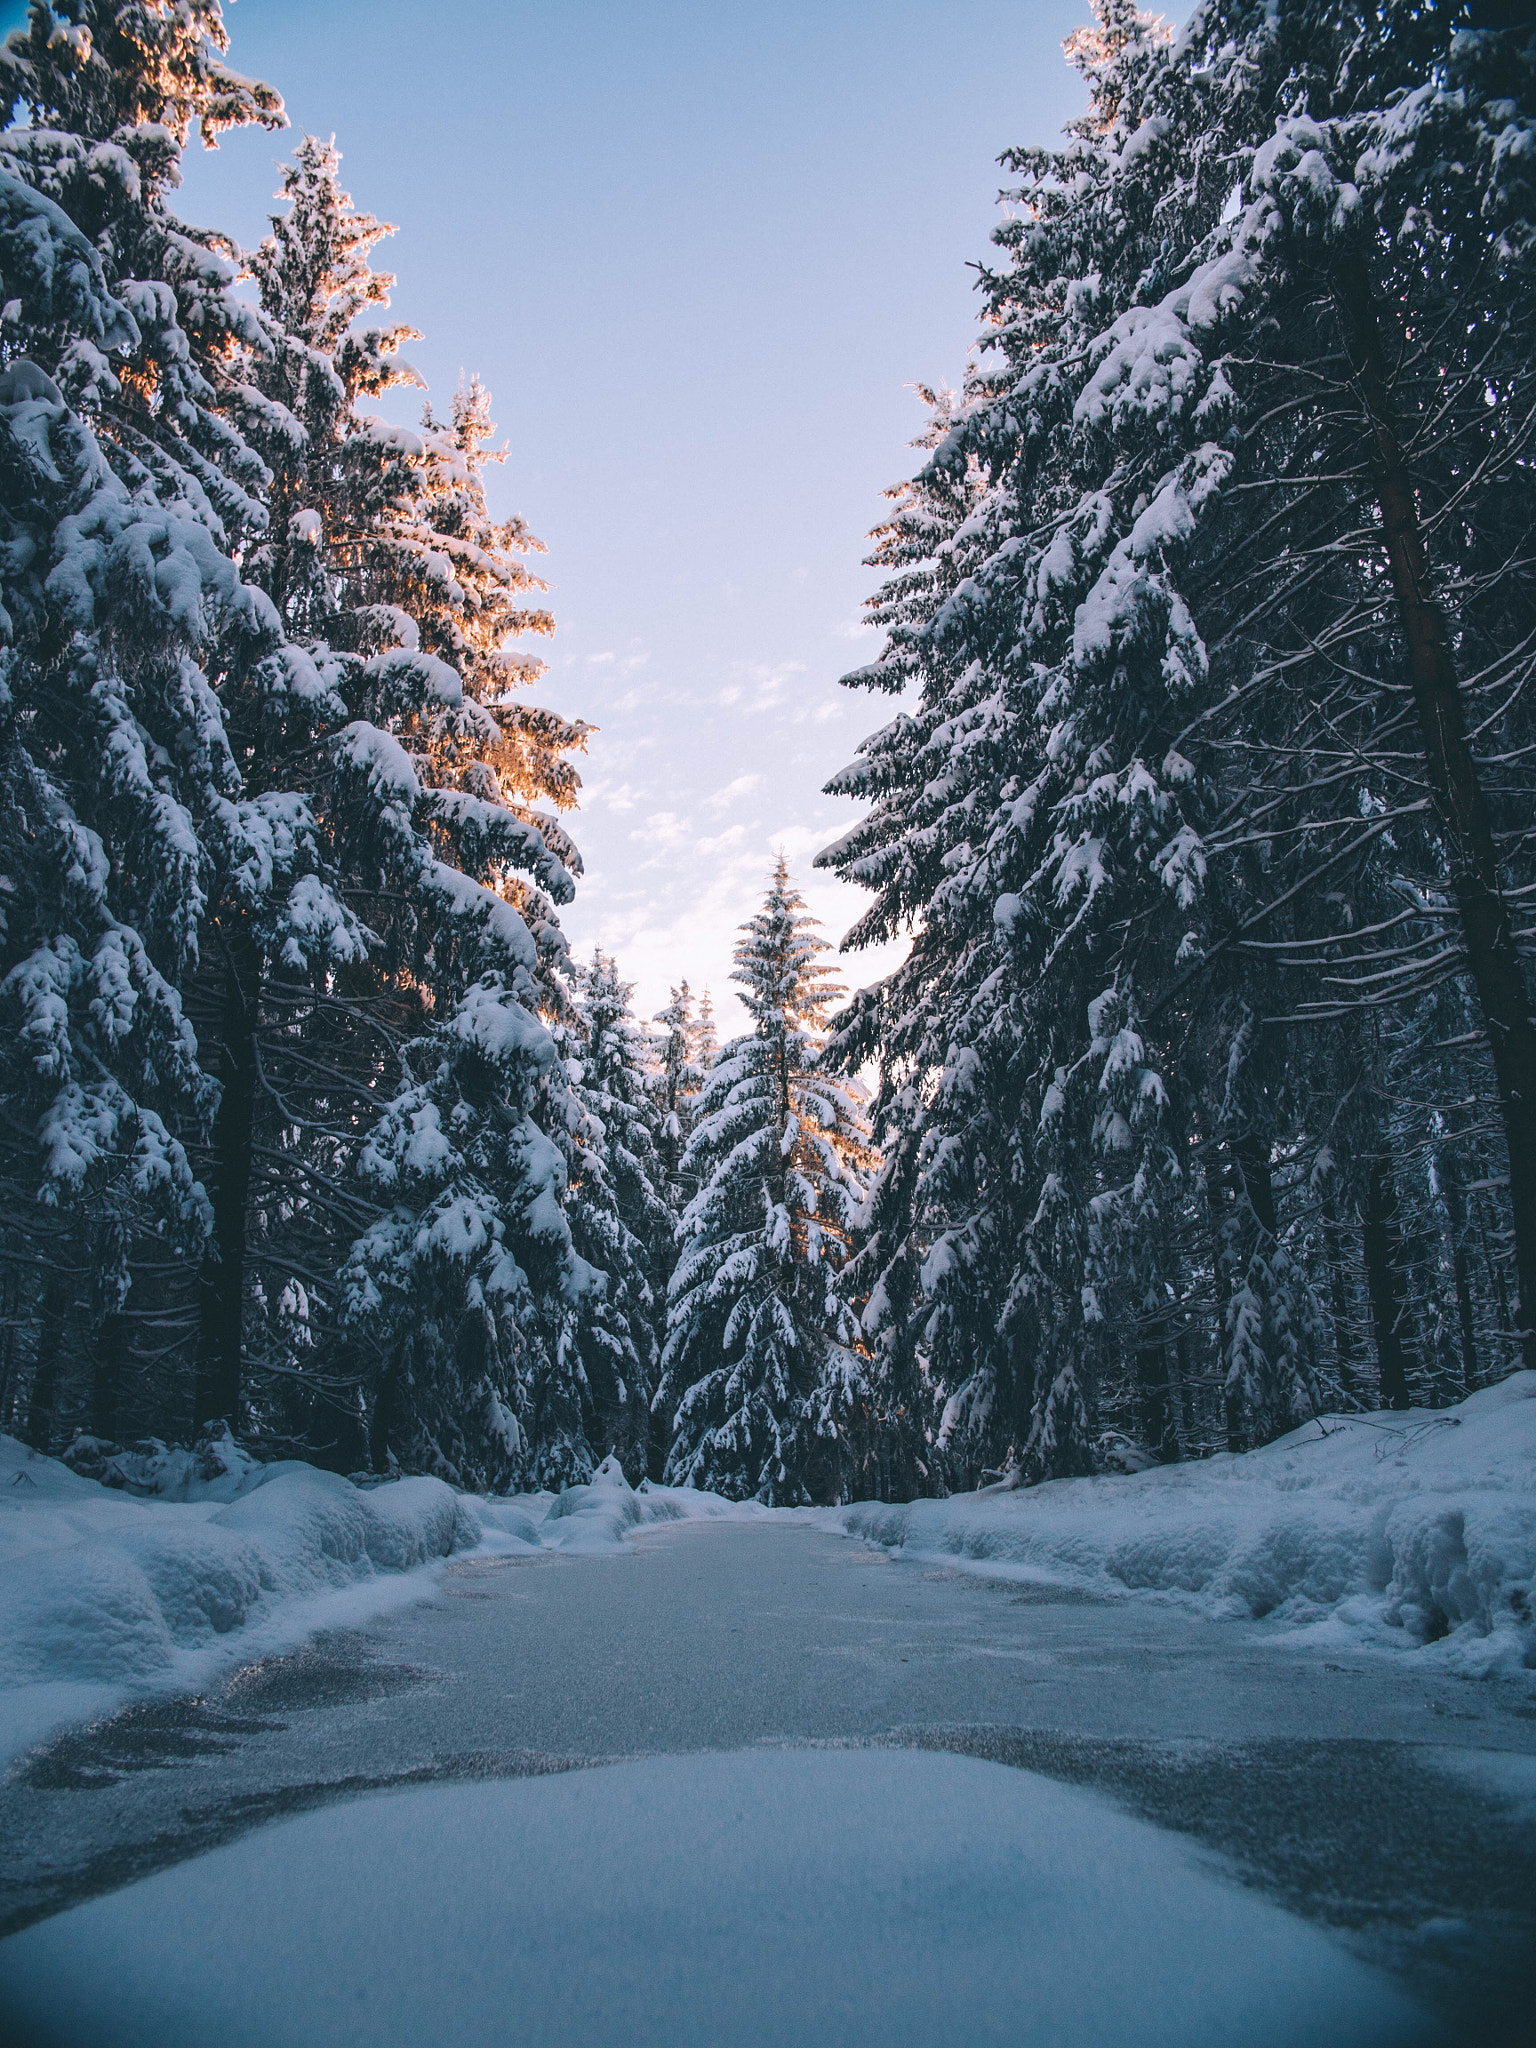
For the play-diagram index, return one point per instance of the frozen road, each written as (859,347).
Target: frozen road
(1397,1809)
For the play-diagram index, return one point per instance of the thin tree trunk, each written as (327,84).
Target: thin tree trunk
(1343,1337)
(1258,1186)
(1487,933)
(45,1373)
(382,1420)
(106,1379)
(1493,1262)
(221,1331)
(1384,1283)
(1461,1265)
(1216,1178)
(1152,1391)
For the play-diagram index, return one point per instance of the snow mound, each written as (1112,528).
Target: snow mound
(598,1516)
(103,1588)
(215,1468)
(1416,1530)
(869,1898)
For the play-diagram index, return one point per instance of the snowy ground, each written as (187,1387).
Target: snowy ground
(105,1594)
(1336,1757)
(865,1898)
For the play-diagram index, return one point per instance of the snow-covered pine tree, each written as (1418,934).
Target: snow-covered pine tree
(1024,813)
(1162,735)
(893,1442)
(703,1038)
(111,92)
(391,723)
(621,1221)
(301,1023)
(469,1286)
(458,871)
(764,1363)
(134,620)
(680,1076)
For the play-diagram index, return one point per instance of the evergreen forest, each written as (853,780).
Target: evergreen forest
(1203,1101)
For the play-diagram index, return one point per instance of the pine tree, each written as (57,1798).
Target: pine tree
(469,1284)
(458,872)
(763,1362)
(130,620)
(621,1222)
(703,1038)
(1151,815)
(679,1080)
(112,92)
(401,734)
(292,1012)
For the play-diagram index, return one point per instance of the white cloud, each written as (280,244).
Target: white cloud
(615,796)
(724,798)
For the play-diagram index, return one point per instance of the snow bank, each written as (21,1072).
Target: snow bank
(106,1591)
(1415,1530)
(871,1898)
(587,1519)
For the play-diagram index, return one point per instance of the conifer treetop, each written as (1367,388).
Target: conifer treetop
(95,68)
(786,988)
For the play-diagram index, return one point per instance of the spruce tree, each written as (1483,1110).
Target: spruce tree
(621,1222)
(130,623)
(296,1016)
(1152,814)
(764,1363)
(468,1285)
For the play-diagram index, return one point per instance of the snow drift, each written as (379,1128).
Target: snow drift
(1415,1530)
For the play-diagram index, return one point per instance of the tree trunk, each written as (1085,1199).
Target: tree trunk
(1216,1178)
(1449,1172)
(1338,1286)
(1384,1283)
(1153,1399)
(106,1379)
(1487,933)
(45,1372)
(221,1330)
(382,1420)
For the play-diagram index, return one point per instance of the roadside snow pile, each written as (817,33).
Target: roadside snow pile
(215,1468)
(108,1589)
(1415,1530)
(586,1519)
(98,1585)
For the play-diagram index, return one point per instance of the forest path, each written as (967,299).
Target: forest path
(1394,1805)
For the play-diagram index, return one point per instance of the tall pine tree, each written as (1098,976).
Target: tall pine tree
(763,1363)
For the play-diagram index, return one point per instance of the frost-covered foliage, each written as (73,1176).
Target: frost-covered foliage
(620,1218)
(764,1365)
(1177,854)
(125,618)
(280,839)
(469,1283)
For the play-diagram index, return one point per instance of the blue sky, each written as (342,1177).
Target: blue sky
(699,252)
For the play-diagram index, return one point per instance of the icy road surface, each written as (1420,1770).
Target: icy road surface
(1392,1804)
